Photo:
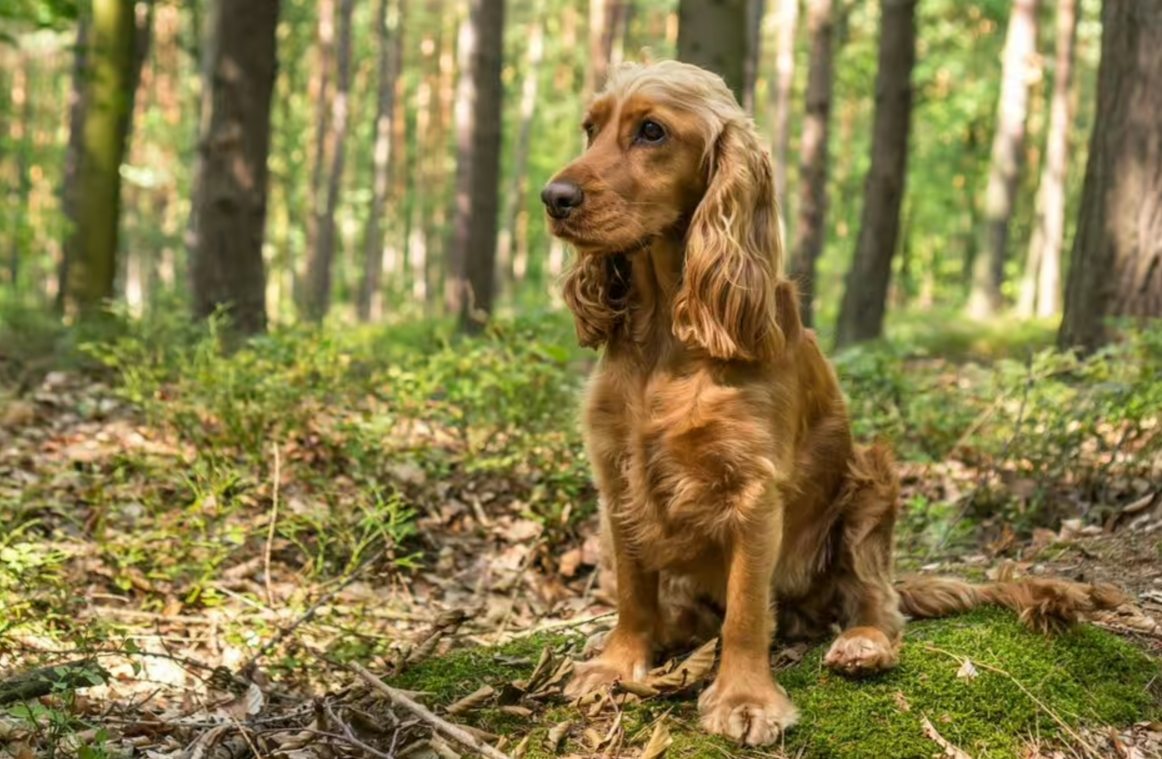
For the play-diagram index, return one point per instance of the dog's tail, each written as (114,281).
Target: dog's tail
(1042,605)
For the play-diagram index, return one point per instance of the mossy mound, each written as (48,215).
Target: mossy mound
(1021,686)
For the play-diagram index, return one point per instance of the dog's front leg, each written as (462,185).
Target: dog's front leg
(744,702)
(628,652)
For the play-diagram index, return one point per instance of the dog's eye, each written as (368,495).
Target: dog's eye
(651,131)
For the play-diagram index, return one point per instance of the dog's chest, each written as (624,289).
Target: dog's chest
(691,457)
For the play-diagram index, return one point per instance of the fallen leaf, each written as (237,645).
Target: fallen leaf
(967,671)
(472,701)
(902,702)
(557,734)
(660,740)
(695,667)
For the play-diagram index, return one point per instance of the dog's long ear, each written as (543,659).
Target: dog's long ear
(596,289)
(726,304)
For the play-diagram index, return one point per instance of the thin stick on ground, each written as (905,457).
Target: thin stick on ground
(270,532)
(456,733)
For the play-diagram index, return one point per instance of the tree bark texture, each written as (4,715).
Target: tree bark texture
(73,150)
(603,21)
(469,287)
(754,48)
(1116,260)
(1008,149)
(780,100)
(92,264)
(320,266)
(519,186)
(861,316)
(231,184)
(320,91)
(712,34)
(1043,296)
(390,46)
(811,229)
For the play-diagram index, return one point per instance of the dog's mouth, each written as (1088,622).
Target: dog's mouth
(588,241)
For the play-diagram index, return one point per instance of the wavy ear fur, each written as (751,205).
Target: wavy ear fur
(596,290)
(726,304)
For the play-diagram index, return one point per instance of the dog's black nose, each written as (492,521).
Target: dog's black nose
(560,198)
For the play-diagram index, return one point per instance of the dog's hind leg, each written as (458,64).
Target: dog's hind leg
(869,605)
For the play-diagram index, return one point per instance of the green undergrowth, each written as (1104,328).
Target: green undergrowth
(1085,677)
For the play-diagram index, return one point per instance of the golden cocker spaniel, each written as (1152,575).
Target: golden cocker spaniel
(732,494)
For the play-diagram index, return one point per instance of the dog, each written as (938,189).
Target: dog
(732,495)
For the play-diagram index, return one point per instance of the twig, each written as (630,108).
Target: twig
(349,734)
(335,737)
(270,532)
(560,624)
(461,736)
(1040,704)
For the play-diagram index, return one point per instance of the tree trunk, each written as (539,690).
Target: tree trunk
(72,161)
(230,187)
(754,49)
(1008,149)
(389,43)
(516,194)
(478,134)
(780,100)
(1116,262)
(92,263)
(811,229)
(862,314)
(321,264)
(713,35)
(1041,293)
(320,90)
(603,19)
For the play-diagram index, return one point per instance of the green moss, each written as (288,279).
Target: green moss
(1085,677)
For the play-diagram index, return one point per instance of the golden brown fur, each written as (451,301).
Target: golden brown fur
(731,491)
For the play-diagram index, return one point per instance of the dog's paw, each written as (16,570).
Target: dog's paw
(861,651)
(755,716)
(591,676)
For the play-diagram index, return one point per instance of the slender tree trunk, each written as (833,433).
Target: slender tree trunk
(1116,262)
(1042,291)
(1008,148)
(754,49)
(780,100)
(69,189)
(478,135)
(320,91)
(90,270)
(811,229)
(21,188)
(861,316)
(713,35)
(320,266)
(370,306)
(231,185)
(519,186)
(603,17)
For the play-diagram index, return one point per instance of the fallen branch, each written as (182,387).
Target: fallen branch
(74,675)
(456,733)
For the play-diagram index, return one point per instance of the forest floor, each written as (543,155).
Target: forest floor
(366,579)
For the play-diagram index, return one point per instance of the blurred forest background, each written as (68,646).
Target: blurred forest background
(396,148)
(285,381)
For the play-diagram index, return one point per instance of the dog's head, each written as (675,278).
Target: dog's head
(670,151)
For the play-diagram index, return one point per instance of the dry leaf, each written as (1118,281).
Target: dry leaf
(660,740)
(472,701)
(967,671)
(639,689)
(949,750)
(522,748)
(696,666)
(902,702)
(556,735)
(517,711)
